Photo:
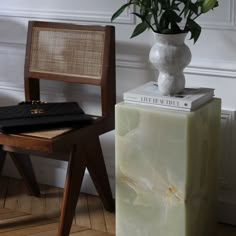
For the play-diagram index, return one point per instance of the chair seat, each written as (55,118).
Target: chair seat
(49,141)
(44,141)
(48,134)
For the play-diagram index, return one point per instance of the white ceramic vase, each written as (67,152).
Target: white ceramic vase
(170,55)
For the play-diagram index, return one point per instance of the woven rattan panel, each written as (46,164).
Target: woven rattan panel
(67,52)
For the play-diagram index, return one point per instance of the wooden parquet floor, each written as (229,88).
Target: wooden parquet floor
(21,214)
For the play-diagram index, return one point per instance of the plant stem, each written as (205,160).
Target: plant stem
(155,17)
(194,18)
(182,11)
(188,18)
(151,26)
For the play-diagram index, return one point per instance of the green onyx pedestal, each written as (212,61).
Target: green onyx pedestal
(166,170)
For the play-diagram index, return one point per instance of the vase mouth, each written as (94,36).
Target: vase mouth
(177,39)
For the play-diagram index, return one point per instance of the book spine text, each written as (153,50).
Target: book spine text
(163,101)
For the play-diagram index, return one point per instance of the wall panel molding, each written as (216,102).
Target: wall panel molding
(220,18)
(211,71)
(47,91)
(12,48)
(67,15)
(56,13)
(214,68)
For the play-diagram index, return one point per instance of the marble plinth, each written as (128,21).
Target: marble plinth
(166,170)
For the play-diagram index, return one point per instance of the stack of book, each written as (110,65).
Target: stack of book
(189,100)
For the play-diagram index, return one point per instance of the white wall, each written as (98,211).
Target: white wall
(213,65)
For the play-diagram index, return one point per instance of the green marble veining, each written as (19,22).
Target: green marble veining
(166,170)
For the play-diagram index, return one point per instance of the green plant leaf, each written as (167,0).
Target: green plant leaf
(186,7)
(140,28)
(164,16)
(164,21)
(194,8)
(175,28)
(146,19)
(195,30)
(120,10)
(168,19)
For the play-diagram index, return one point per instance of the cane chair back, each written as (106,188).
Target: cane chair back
(71,53)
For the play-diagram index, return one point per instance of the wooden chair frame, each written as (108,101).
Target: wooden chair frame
(76,142)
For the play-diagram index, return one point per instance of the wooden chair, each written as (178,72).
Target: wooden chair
(76,54)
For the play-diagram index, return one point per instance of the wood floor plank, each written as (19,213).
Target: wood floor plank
(12,193)
(4,210)
(39,203)
(110,221)
(82,212)
(3,190)
(96,213)
(44,229)
(22,222)
(92,233)
(30,230)
(53,232)
(24,200)
(52,202)
(9,215)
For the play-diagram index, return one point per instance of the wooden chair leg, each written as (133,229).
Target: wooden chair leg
(74,178)
(2,158)
(25,168)
(97,170)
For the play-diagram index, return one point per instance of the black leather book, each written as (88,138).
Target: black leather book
(30,117)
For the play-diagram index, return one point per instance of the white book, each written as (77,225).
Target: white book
(157,106)
(170,107)
(190,99)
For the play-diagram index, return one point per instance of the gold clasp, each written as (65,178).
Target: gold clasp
(37,111)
